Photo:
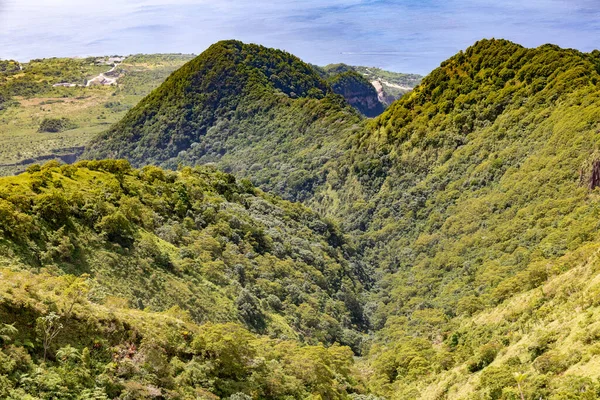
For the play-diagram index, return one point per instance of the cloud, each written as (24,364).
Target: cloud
(404,35)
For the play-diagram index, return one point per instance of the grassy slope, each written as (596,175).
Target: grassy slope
(92,109)
(465,193)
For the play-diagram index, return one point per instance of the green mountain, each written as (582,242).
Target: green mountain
(473,197)
(465,265)
(358,92)
(54,89)
(251,110)
(106,241)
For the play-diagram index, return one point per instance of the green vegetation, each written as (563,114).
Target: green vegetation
(106,351)
(452,246)
(186,247)
(91,109)
(464,194)
(254,111)
(9,67)
(390,86)
(358,91)
(470,199)
(55,125)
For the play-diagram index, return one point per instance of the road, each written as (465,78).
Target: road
(103,79)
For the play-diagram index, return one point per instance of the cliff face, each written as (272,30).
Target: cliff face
(383,96)
(358,92)
(389,86)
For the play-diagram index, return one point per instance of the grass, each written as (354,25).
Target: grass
(92,109)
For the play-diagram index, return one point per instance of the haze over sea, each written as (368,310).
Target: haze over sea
(407,35)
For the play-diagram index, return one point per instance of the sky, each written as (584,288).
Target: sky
(400,35)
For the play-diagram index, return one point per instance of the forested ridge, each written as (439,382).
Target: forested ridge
(189,248)
(464,194)
(449,244)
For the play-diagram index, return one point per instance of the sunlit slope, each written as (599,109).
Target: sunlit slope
(196,239)
(472,189)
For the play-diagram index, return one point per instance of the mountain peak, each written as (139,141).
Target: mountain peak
(227,77)
(499,71)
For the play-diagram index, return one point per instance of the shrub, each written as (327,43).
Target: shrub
(542,344)
(551,362)
(14,223)
(56,125)
(53,207)
(117,228)
(495,379)
(249,310)
(486,355)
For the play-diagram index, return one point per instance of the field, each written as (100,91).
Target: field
(33,98)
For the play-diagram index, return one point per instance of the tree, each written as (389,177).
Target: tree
(117,228)
(53,207)
(49,327)
(76,291)
(250,311)
(520,378)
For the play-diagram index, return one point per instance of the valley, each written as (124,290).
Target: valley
(242,224)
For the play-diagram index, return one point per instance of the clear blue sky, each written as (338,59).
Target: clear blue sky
(401,35)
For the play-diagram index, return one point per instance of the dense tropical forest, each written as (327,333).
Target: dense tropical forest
(246,232)
(84,245)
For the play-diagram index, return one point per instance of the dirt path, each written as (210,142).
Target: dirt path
(103,79)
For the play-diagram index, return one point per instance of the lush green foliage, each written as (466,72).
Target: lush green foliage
(231,89)
(55,125)
(462,195)
(465,193)
(195,241)
(467,203)
(225,251)
(109,351)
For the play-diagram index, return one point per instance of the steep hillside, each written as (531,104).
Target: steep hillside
(467,192)
(57,342)
(194,239)
(390,86)
(188,247)
(358,92)
(32,92)
(353,86)
(467,248)
(252,110)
